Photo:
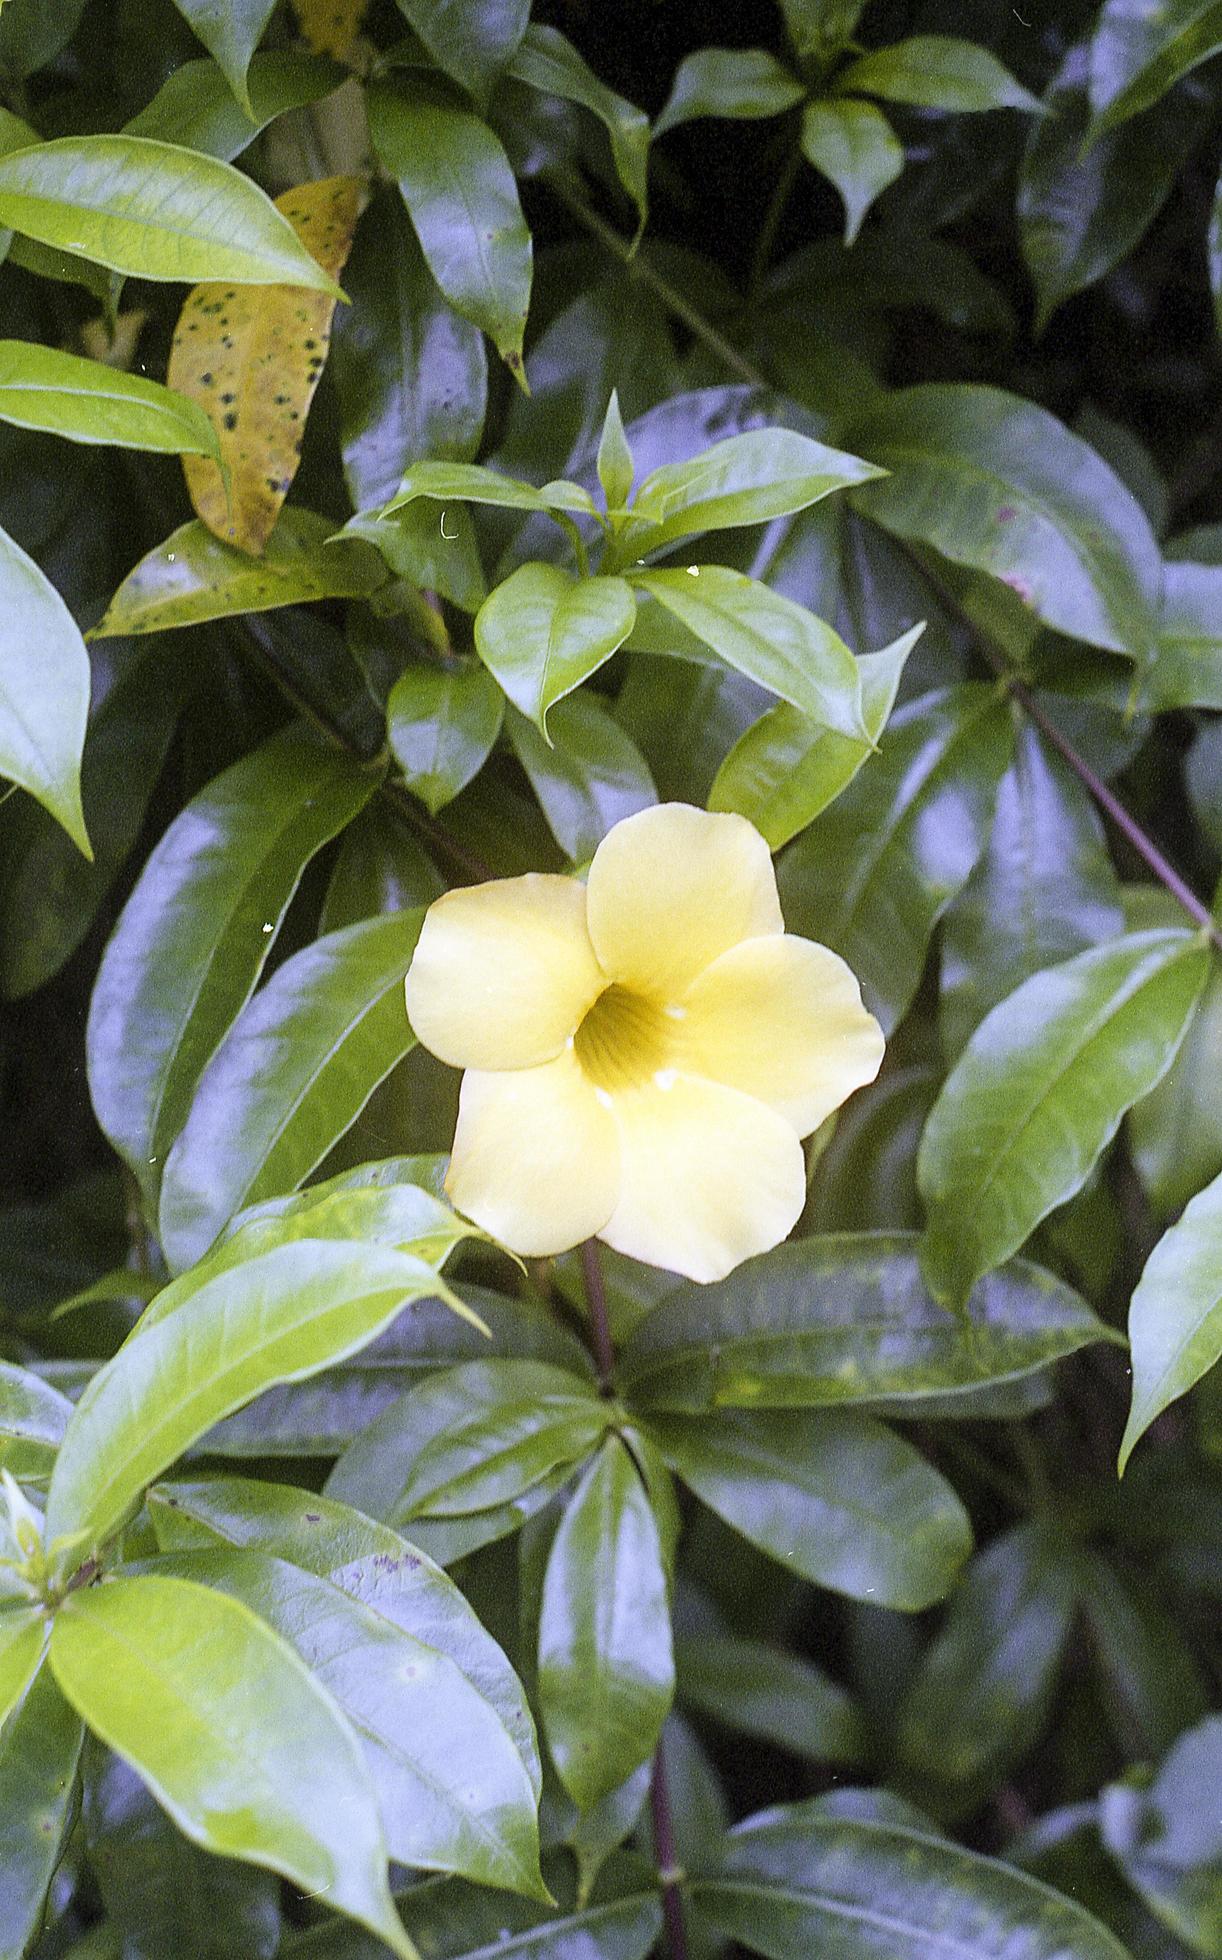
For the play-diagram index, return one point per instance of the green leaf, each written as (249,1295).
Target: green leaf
(543,631)
(463,202)
(289,1079)
(195,576)
(787,767)
(1138,52)
(1175,1315)
(23,1636)
(471,40)
(44,691)
(231,30)
(854,146)
(836,1497)
(1187,669)
(451,1786)
(606,1669)
(196,108)
(744,83)
(872,876)
(472,483)
(448,1919)
(1151,1686)
(1039,1092)
(616,469)
(381,867)
(846,1318)
(588,777)
(442,723)
(746,479)
(1166,1838)
(937,71)
(30,37)
(42,388)
(193,937)
(994,482)
(766,1692)
(153,211)
(1175,1133)
(798,1882)
(40,1746)
(771,639)
(546,61)
(1044,889)
(33,1417)
(279,1316)
(231,1732)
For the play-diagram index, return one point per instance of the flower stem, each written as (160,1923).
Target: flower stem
(600,1325)
(670,1872)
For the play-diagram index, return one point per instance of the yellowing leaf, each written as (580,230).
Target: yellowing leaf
(330,26)
(251,356)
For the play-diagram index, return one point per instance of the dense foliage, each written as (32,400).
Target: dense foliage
(415,459)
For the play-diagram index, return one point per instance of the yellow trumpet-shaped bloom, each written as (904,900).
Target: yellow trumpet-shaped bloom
(643,1053)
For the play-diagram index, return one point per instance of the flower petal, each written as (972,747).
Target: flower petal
(503,972)
(709,1177)
(672,887)
(781,1019)
(536,1157)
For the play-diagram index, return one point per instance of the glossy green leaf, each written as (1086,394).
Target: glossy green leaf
(381,867)
(472,483)
(996,483)
(195,576)
(1044,889)
(835,1497)
(463,202)
(936,71)
(278,1316)
(232,1733)
(1175,1133)
(845,1318)
(448,1919)
(1151,1684)
(1187,669)
(42,388)
(451,1786)
(797,1881)
(442,723)
(771,639)
(23,1635)
(40,1747)
(606,1667)
(788,767)
(744,83)
(1175,1315)
(854,146)
(153,211)
(1138,52)
(196,108)
(193,937)
(746,479)
(546,61)
(616,469)
(588,777)
(471,40)
(289,1079)
(231,30)
(767,1692)
(44,691)
(543,632)
(1166,1838)
(872,876)
(1039,1092)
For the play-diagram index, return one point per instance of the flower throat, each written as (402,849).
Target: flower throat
(623,1040)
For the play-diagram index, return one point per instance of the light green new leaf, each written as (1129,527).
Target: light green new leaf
(231,30)
(606,1665)
(543,631)
(193,937)
(767,1692)
(42,388)
(40,1747)
(994,482)
(616,469)
(937,71)
(746,84)
(23,1635)
(1039,1092)
(1175,1315)
(836,1497)
(44,691)
(291,1076)
(462,199)
(771,639)
(196,108)
(845,1318)
(442,724)
(153,211)
(1139,51)
(786,767)
(746,479)
(195,576)
(280,1316)
(471,40)
(232,1733)
(854,146)
(546,61)
(472,483)
(588,777)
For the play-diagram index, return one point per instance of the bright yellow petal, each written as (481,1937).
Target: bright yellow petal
(709,1177)
(503,972)
(672,887)
(536,1157)
(781,1019)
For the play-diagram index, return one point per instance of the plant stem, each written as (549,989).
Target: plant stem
(670,1872)
(596,1299)
(782,190)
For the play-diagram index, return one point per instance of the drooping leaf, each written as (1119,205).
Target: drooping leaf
(40,1747)
(546,61)
(588,777)
(42,388)
(764,1691)
(1039,1092)
(231,30)
(854,146)
(743,83)
(1137,53)
(471,40)
(251,358)
(542,632)
(442,724)
(936,71)
(1175,1315)
(196,108)
(44,691)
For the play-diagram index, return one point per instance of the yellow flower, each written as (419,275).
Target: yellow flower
(643,1052)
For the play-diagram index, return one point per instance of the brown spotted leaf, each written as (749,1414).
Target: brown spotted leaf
(251,356)
(330,26)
